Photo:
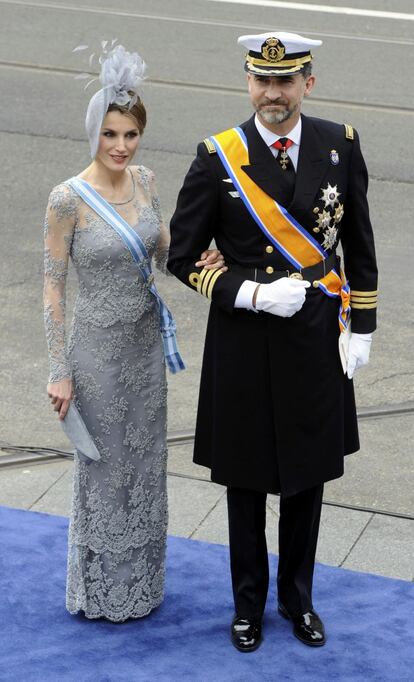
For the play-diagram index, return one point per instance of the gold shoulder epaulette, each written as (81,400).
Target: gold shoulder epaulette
(349,131)
(210,146)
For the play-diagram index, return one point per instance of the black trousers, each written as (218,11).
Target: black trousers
(298,537)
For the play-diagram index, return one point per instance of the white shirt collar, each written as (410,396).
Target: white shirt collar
(270,138)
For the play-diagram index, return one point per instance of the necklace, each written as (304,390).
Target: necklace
(121,203)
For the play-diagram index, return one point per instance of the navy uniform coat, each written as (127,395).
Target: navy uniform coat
(276,412)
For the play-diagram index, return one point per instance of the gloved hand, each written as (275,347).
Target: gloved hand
(358,352)
(284,297)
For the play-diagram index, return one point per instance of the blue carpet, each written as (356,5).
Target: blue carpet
(369,620)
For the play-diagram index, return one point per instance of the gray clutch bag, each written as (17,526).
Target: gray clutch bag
(75,429)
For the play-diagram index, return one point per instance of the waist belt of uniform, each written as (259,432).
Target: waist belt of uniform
(312,274)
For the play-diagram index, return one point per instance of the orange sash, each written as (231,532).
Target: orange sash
(281,229)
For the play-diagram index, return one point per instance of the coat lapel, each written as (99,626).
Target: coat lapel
(264,172)
(311,167)
(262,167)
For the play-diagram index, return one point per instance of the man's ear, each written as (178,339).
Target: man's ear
(310,82)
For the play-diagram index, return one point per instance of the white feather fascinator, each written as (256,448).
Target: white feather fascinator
(121,73)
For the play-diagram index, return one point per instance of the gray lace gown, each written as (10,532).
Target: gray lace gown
(114,353)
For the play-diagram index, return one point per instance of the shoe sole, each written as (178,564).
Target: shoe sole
(304,641)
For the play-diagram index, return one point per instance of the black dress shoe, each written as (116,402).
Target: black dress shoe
(246,634)
(308,627)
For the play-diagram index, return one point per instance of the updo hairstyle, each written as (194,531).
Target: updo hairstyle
(137,113)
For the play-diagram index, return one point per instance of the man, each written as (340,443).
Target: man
(276,409)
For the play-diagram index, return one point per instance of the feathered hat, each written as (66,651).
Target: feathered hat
(121,74)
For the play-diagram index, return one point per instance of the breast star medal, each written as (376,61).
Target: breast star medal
(330,195)
(330,235)
(323,220)
(338,214)
(327,219)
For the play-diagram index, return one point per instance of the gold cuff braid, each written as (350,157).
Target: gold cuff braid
(363,300)
(205,281)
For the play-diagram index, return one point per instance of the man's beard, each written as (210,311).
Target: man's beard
(274,117)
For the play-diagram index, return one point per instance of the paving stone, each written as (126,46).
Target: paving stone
(273,503)
(272,531)
(272,523)
(381,475)
(386,547)
(198,509)
(180,461)
(20,487)
(214,528)
(57,500)
(339,530)
(189,503)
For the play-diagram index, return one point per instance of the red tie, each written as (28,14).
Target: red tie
(283,144)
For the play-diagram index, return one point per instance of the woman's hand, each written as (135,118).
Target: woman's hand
(212,259)
(60,394)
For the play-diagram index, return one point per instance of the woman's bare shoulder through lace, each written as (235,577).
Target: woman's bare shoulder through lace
(146,177)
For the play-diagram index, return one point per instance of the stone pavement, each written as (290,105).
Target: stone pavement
(358,540)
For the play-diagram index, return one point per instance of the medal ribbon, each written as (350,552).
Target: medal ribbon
(281,229)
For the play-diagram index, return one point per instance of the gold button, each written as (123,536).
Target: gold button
(316,209)
(316,229)
(269,269)
(296,275)
(269,249)
(315,283)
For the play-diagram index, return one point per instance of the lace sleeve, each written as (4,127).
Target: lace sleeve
(163,244)
(59,225)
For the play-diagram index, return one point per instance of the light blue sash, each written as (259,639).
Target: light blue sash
(141,258)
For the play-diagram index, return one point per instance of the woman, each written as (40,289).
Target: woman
(113,365)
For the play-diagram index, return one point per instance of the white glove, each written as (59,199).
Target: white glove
(358,352)
(284,297)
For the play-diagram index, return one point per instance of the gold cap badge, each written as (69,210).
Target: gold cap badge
(273,50)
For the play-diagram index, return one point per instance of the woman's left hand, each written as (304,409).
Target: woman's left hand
(212,259)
